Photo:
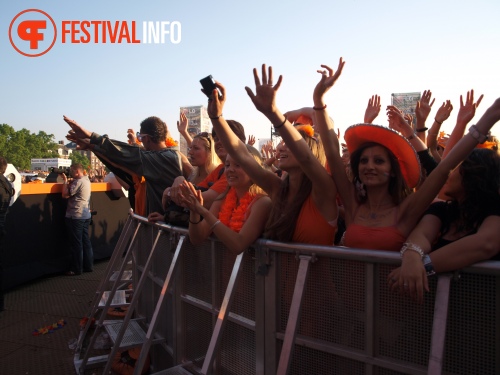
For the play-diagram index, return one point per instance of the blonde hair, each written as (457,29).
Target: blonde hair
(212,160)
(254,188)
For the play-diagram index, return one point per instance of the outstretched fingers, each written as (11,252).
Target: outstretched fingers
(264,74)
(328,69)
(479,100)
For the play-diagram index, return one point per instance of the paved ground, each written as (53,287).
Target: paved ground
(40,304)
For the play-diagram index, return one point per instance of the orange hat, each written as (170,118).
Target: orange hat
(357,135)
(303,120)
(308,129)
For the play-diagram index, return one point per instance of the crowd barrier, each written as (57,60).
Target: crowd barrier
(304,309)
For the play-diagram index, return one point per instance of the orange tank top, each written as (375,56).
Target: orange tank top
(312,227)
(374,238)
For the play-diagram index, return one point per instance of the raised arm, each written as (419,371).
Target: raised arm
(267,180)
(397,122)
(422,111)
(372,109)
(323,188)
(330,138)
(182,127)
(465,115)
(415,204)
(442,115)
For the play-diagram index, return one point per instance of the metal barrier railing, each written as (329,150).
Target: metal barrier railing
(348,322)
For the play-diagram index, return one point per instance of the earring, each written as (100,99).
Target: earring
(360,187)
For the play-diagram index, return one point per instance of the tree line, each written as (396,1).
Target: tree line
(19,147)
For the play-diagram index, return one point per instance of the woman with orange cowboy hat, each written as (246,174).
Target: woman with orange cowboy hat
(380,212)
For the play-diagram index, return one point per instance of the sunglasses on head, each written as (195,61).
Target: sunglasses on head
(205,135)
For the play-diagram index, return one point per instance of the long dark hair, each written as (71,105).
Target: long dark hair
(480,174)
(398,189)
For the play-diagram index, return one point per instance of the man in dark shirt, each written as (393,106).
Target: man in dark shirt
(158,163)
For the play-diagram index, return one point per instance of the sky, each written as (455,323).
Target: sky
(448,47)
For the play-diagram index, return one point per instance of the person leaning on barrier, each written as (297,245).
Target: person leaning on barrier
(215,183)
(203,159)
(458,232)
(158,163)
(237,217)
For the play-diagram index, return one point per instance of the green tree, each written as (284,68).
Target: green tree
(19,147)
(77,157)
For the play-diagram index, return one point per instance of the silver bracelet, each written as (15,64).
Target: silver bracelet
(215,224)
(413,247)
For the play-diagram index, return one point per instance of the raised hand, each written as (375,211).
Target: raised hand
(216,101)
(409,119)
(267,150)
(372,109)
(251,140)
(182,125)
(132,137)
(468,109)
(443,112)
(328,79)
(81,143)
(397,121)
(423,108)
(264,98)
(78,131)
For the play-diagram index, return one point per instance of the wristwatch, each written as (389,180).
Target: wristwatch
(476,134)
(429,268)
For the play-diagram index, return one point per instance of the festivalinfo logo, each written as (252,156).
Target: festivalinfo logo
(33,32)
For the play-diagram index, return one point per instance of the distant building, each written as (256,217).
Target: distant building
(45,165)
(95,163)
(197,116)
(63,151)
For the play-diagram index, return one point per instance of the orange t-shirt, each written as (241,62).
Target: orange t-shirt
(216,180)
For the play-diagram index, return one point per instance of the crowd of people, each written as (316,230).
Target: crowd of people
(404,187)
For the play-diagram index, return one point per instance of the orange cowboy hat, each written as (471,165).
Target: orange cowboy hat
(357,135)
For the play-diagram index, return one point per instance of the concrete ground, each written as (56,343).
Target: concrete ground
(40,304)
